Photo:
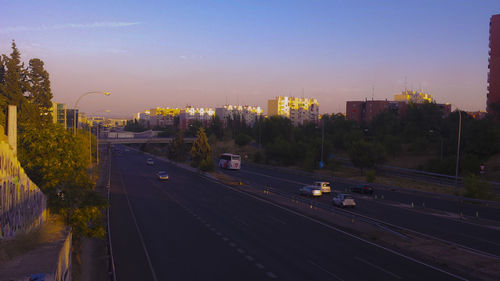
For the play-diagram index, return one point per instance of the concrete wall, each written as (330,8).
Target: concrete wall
(22,203)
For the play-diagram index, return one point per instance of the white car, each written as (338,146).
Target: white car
(344,200)
(310,190)
(324,185)
(150,161)
(162,175)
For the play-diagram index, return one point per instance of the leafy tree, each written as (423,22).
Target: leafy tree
(40,94)
(216,127)
(365,154)
(476,188)
(177,150)
(242,139)
(200,150)
(57,161)
(134,126)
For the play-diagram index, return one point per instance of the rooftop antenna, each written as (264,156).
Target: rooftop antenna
(373,91)
(406,84)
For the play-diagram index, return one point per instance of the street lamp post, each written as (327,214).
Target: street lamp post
(458,149)
(76,104)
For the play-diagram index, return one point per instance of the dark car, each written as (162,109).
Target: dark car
(363,188)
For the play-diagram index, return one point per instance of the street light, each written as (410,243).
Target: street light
(458,149)
(76,104)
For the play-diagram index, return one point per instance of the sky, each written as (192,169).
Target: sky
(210,53)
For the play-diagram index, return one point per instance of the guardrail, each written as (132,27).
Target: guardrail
(111,263)
(460,199)
(395,229)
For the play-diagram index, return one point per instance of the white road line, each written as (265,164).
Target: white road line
(218,234)
(378,267)
(276,178)
(225,238)
(250,258)
(232,244)
(141,238)
(337,229)
(259,265)
(240,250)
(276,219)
(271,275)
(323,269)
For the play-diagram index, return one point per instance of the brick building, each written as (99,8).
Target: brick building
(493,95)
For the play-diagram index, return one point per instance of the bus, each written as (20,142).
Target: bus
(230,161)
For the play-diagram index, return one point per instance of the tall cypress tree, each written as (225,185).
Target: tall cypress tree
(39,94)
(15,84)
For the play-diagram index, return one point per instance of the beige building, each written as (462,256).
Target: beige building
(299,110)
(409,96)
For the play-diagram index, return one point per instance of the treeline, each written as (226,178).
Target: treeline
(422,130)
(55,159)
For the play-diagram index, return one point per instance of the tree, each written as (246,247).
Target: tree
(57,162)
(201,149)
(15,84)
(365,154)
(39,94)
(177,150)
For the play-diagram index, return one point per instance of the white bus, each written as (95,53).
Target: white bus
(230,161)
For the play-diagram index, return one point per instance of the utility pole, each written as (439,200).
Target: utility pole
(322,139)
(458,150)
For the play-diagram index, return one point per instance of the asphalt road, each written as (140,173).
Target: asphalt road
(191,228)
(394,208)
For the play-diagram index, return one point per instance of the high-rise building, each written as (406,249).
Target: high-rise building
(299,110)
(494,65)
(246,113)
(59,113)
(409,96)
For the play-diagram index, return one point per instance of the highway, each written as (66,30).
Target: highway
(395,208)
(193,228)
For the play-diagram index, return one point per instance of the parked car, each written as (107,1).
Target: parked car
(324,185)
(310,190)
(344,200)
(162,175)
(363,188)
(150,161)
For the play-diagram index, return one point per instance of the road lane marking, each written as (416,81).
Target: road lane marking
(240,250)
(250,258)
(232,244)
(141,238)
(219,234)
(225,238)
(324,270)
(378,267)
(271,275)
(276,219)
(259,265)
(337,229)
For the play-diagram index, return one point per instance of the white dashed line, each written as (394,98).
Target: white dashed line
(240,250)
(219,234)
(250,258)
(259,265)
(225,238)
(232,244)
(271,275)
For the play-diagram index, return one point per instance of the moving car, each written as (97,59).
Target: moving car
(150,161)
(310,190)
(363,188)
(324,185)
(162,175)
(343,200)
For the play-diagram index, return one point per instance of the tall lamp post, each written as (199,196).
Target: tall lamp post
(458,149)
(76,104)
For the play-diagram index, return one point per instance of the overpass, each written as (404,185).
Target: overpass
(141,140)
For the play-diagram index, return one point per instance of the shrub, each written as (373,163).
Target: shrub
(370,175)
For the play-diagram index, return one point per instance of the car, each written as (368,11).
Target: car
(162,175)
(343,200)
(310,190)
(324,185)
(150,161)
(362,188)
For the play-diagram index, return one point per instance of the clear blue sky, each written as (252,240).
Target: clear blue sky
(204,53)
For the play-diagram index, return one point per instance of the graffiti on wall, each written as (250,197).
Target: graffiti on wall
(22,203)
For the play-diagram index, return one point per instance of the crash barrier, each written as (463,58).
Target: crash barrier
(23,206)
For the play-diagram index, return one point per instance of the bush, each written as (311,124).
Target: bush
(477,188)
(370,175)
(242,139)
(257,157)
(207,165)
